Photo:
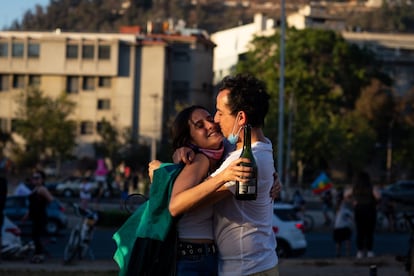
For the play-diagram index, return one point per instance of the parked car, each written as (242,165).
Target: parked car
(289,231)
(401,191)
(70,187)
(17,206)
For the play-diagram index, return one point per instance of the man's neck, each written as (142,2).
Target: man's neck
(257,136)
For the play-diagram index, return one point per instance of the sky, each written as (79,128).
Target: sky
(15,9)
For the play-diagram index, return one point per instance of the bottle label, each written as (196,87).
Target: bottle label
(248,187)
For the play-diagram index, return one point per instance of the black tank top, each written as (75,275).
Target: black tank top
(37,206)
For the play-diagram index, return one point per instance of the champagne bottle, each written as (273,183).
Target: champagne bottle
(247,190)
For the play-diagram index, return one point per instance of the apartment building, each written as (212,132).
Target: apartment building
(234,42)
(396,53)
(132,80)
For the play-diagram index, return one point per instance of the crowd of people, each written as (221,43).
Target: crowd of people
(352,213)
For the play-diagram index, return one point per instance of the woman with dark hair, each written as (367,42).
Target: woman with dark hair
(38,201)
(194,127)
(365,214)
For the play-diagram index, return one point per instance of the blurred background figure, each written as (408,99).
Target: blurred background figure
(24,188)
(38,201)
(85,192)
(343,225)
(365,213)
(387,207)
(327,206)
(298,201)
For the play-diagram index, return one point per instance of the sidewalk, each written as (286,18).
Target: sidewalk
(386,266)
(327,267)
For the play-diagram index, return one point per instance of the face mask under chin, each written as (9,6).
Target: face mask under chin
(233,138)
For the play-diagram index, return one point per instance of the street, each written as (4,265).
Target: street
(317,261)
(320,244)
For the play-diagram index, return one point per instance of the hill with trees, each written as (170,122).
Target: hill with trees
(210,15)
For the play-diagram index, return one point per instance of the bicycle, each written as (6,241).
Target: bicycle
(408,259)
(81,235)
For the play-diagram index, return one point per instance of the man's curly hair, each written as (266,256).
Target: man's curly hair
(248,94)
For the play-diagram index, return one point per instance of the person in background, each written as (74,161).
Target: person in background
(365,213)
(339,197)
(4,164)
(38,201)
(327,206)
(85,192)
(387,207)
(298,201)
(343,225)
(24,188)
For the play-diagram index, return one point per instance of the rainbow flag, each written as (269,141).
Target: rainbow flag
(322,183)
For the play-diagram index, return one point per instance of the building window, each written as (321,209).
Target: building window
(105,82)
(87,51)
(72,85)
(72,51)
(4,82)
(34,80)
(86,127)
(104,104)
(4,49)
(88,83)
(104,52)
(33,50)
(17,49)
(3,125)
(18,81)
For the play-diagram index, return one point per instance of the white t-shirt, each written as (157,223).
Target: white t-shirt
(85,190)
(344,217)
(243,229)
(22,190)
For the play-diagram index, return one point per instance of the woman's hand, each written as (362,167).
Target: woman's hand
(235,172)
(152,166)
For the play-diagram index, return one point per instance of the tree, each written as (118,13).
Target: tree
(44,124)
(119,147)
(325,75)
(110,143)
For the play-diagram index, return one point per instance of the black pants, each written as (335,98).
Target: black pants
(38,230)
(365,220)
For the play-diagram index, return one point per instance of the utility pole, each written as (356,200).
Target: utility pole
(281,92)
(154,131)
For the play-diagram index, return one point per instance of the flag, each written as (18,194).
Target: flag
(322,183)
